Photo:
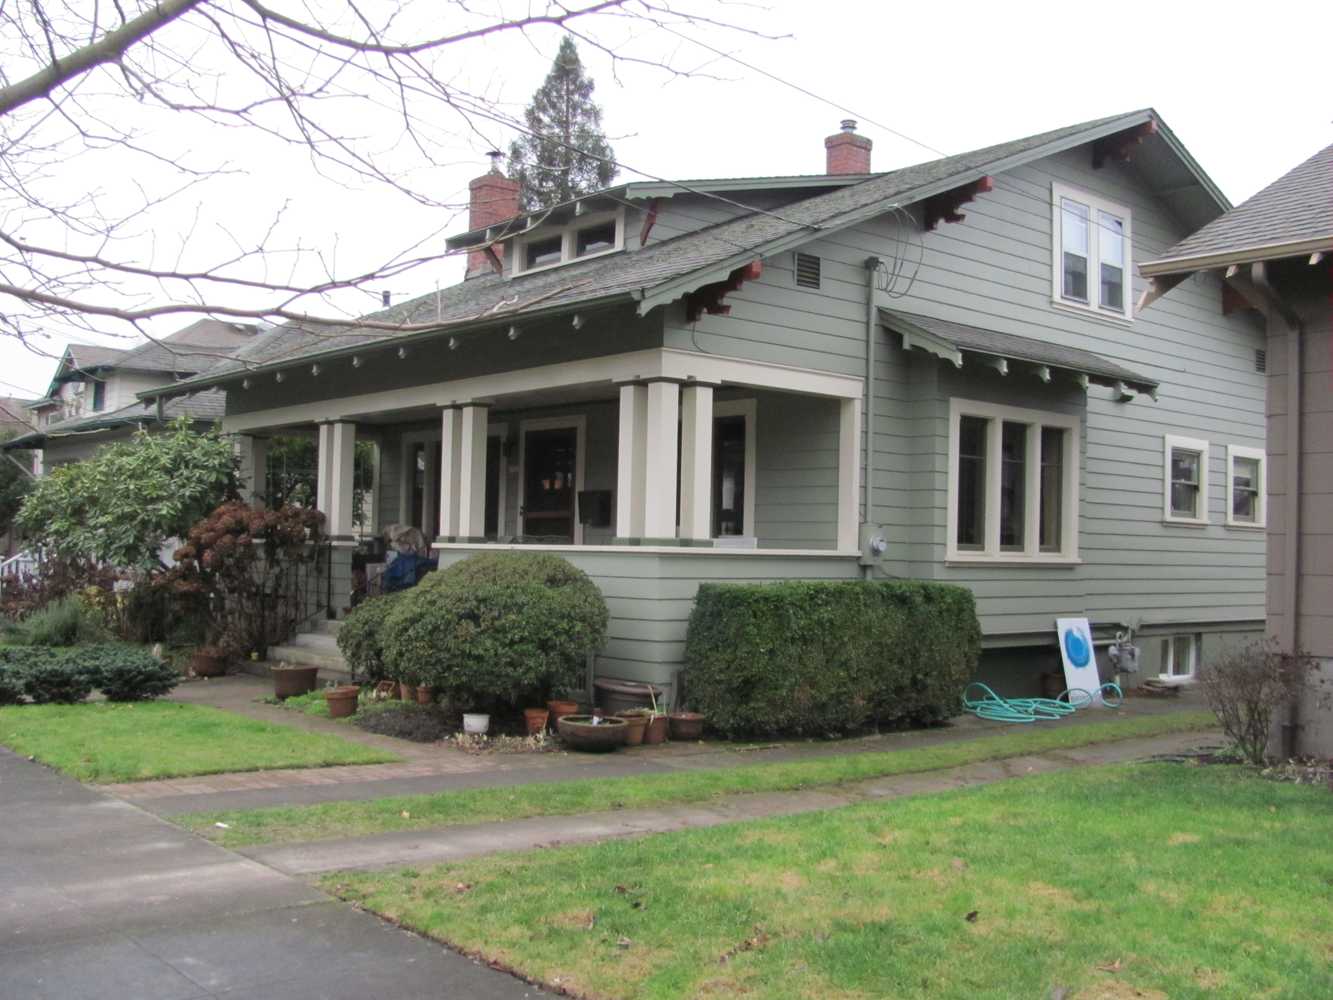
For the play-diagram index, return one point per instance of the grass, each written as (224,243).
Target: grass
(103,742)
(413,812)
(1149,881)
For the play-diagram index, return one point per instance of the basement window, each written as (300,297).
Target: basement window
(583,238)
(1179,657)
(1091,252)
(1013,484)
(808,268)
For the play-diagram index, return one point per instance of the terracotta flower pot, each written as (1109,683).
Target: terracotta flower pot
(558,707)
(656,730)
(291,681)
(687,726)
(536,719)
(425,695)
(406,691)
(342,700)
(635,723)
(208,665)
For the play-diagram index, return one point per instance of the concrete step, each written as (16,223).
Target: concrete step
(326,627)
(294,654)
(327,674)
(319,642)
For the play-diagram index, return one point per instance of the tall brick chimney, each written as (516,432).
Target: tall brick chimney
(493,198)
(847,152)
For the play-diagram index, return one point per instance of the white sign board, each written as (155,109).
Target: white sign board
(1080,659)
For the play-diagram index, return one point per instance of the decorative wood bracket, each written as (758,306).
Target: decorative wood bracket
(649,218)
(944,207)
(1233,301)
(497,265)
(1120,147)
(708,299)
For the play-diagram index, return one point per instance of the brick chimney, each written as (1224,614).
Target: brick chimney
(493,198)
(847,152)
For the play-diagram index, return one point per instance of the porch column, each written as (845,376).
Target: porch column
(849,473)
(629,464)
(660,459)
(696,462)
(252,453)
(451,454)
(472,471)
(340,465)
(323,480)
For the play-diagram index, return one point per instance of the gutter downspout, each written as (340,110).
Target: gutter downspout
(872,266)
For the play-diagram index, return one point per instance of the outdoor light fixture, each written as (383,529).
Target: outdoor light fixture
(513,333)
(314,369)
(578,322)
(453,343)
(402,353)
(245,383)
(356,362)
(279,377)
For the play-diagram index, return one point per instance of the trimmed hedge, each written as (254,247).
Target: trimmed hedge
(126,673)
(498,628)
(66,676)
(822,658)
(361,638)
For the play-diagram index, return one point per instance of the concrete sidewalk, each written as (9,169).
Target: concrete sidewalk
(421,847)
(99,899)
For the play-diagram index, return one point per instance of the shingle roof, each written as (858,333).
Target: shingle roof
(663,271)
(87,356)
(204,407)
(1293,210)
(1016,348)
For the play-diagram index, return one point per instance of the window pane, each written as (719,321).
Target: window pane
(1111,253)
(541,252)
(729,476)
(1245,486)
(1074,249)
(1182,655)
(1052,489)
(1184,482)
(971,483)
(595,239)
(1013,481)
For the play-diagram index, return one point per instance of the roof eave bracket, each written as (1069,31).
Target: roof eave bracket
(1120,147)
(943,207)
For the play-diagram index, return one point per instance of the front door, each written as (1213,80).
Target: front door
(550,461)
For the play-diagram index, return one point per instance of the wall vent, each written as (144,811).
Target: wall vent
(807,270)
(1260,360)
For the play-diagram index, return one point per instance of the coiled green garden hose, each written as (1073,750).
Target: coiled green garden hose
(991,706)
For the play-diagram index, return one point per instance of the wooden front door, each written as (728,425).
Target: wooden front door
(550,464)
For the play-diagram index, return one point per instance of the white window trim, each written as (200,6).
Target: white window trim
(579,423)
(1165,667)
(1169,443)
(1035,419)
(1235,451)
(747,408)
(1094,204)
(567,234)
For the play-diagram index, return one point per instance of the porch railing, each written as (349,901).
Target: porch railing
(17,568)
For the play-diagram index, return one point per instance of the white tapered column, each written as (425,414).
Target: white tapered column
(323,480)
(629,464)
(696,462)
(451,457)
(341,467)
(660,457)
(252,458)
(472,471)
(849,473)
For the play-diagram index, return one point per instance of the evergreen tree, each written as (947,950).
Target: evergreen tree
(566,153)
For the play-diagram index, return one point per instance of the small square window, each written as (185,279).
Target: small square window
(541,252)
(595,239)
(1179,656)
(1185,471)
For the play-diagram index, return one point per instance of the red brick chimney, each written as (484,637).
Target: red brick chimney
(847,152)
(494,198)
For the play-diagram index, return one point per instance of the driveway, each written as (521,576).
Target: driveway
(99,899)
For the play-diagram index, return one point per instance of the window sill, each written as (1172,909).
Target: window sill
(516,273)
(1092,313)
(1011,562)
(1246,526)
(1183,522)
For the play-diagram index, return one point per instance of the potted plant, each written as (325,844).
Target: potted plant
(476,723)
(656,730)
(425,695)
(560,706)
(209,661)
(687,726)
(342,700)
(595,733)
(291,680)
(636,723)
(535,719)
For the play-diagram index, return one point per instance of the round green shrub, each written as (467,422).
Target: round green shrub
(11,685)
(361,637)
(497,628)
(125,673)
(48,677)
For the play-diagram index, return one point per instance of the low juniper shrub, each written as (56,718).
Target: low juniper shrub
(47,676)
(125,673)
(11,685)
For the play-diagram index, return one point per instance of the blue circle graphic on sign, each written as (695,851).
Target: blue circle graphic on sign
(1076,648)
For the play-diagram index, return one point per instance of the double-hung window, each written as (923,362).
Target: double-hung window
(1013,484)
(1185,476)
(1247,502)
(1092,252)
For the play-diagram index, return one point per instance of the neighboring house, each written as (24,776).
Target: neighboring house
(93,397)
(1274,255)
(667,383)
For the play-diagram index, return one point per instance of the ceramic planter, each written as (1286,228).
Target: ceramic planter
(536,719)
(476,723)
(425,695)
(406,691)
(208,665)
(342,700)
(581,732)
(656,730)
(687,726)
(290,681)
(635,724)
(558,707)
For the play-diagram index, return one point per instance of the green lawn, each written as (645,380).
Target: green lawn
(414,812)
(103,742)
(1149,880)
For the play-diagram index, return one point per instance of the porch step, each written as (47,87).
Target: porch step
(326,627)
(327,674)
(319,642)
(330,662)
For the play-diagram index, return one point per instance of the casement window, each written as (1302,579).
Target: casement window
(1185,479)
(585,237)
(1247,501)
(1091,253)
(1013,484)
(1179,657)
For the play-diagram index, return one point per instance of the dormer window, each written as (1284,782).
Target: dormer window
(577,240)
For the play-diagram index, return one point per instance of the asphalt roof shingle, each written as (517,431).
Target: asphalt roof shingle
(205,406)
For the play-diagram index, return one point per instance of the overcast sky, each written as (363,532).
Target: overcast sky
(1242,85)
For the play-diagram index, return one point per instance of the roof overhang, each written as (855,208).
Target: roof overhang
(1239,255)
(1008,353)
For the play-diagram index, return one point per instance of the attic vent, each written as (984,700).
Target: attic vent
(1260,360)
(807,270)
